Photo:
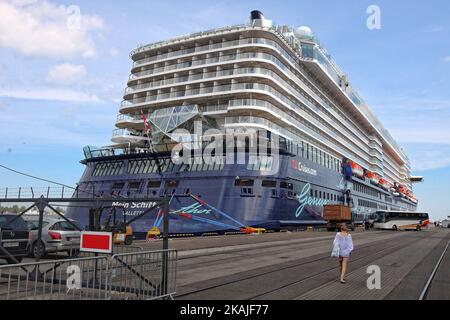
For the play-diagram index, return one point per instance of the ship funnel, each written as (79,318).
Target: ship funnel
(256,14)
(257,19)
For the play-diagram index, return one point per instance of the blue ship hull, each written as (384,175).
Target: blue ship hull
(292,197)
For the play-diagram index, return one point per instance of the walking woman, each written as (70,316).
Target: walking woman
(342,248)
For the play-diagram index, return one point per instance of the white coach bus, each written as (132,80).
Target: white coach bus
(401,220)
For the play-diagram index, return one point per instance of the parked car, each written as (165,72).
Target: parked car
(58,235)
(13,238)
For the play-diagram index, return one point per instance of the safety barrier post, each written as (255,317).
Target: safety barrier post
(165,244)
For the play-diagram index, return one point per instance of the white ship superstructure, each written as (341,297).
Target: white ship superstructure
(264,76)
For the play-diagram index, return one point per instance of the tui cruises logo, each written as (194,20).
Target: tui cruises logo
(305,199)
(297,165)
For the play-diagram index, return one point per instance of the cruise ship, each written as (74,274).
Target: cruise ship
(277,87)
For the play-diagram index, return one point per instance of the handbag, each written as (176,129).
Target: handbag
(335,251)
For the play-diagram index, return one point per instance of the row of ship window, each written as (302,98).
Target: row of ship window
(246,185)
(365,189)
(308,49)
(367,204)
(247,188)
(308,151)
(255,163)
(369,191)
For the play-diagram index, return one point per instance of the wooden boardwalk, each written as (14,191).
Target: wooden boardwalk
(298,266)
(301,268)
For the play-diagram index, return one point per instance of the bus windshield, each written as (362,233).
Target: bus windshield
(379,217)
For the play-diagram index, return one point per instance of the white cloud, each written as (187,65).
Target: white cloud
(41,28)
(49,94)
(113,52)
(433,28)
(45,124)
(429,157)
(416,119)
(446,59)
(428,133)
(412,104)
(66,73)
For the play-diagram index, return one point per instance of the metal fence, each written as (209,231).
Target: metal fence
(142,276)
(138,275)
(69,279)
(117,249)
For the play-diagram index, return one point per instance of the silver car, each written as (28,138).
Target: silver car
(58,235)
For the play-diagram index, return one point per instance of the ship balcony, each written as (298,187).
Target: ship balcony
(237,72)
(128,105)
(189,51)
(215,109)
(216,75)
(261,110)
(204,63)
(127,135)
(376,170)
(227,89)
(375,162)
(327,72)
(375,146)
(208,48)
(198,35)
(376,154)
(190,79)
(130,121)
(374,139)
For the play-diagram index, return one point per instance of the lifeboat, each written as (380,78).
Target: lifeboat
(384,184)
(390,186)
(357,170)
(410,196)
(374,179)
(402,190)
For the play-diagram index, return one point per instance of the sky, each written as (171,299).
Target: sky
(62,78)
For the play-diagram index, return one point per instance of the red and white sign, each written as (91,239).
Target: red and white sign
(101,242)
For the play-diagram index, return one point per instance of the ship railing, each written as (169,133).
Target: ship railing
(188,36)
(208,47)
(50,192)
(126,132)
(187,66)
